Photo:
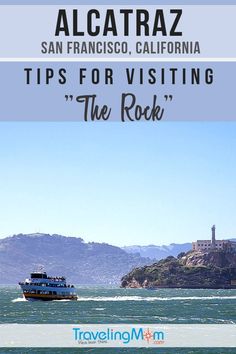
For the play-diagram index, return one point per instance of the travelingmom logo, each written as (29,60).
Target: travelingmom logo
(114,336)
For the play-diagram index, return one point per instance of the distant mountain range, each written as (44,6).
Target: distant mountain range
(80,262)
(159,252)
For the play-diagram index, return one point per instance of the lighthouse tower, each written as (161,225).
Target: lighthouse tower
(213,237)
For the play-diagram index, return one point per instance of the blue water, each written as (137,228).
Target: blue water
(113,305)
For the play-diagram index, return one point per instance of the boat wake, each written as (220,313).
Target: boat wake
(63,300)
(22,299)
(141,298)
(153,298)
(19,299)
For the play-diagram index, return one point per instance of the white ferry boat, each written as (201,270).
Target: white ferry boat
(42,287)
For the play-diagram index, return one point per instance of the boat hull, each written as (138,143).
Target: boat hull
(46,297)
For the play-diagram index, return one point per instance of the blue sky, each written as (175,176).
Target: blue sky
(119,183)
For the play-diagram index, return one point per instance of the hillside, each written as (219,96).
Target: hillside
(215,269)
(82,263)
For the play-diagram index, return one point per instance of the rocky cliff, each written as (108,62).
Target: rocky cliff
(213,270)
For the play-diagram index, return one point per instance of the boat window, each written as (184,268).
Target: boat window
(38,276)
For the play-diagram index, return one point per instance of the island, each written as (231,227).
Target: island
(203,269)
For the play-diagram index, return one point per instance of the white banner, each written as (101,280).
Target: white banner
(117,335)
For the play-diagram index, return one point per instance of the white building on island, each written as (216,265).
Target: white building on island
(213,244)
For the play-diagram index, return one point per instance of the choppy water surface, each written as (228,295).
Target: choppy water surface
(102,305)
